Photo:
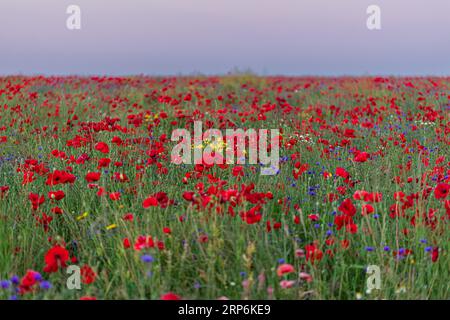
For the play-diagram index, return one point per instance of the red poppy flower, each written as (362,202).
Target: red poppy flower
(351,228)
(143,242)
(361,157)
(367,209)
(313,253)
(59,177)
(128,217)
(103,163)
(170,296)
(299,169)
(163,199)
(57,210)
(435,254)
(87,274)
(93,176)
(342,220)
(238,171)
(345,243)
(149,202)
(56,195)
(441,191)
(114,196)
(3,191)
(252,216)
(188,195)
(347,207)
(36,200)
(120,177)
(102,147)
(28,177)
(28,282)
(56,257)
(341,172)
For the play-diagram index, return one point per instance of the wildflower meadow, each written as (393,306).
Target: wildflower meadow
(92,205)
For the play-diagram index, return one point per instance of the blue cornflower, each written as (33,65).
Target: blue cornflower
(147,258)
(15,279)
(5,284)
(45,285)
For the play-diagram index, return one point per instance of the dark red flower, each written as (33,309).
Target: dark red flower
(313,253)
(435,254)
(59,177)
(36,200)
(29,281)
(347,207)
(441,191)
(87,274)
(103,163)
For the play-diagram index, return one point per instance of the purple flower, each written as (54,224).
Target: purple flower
(147,258)
(15,279)
(37,277)
(4,284)
(45,285)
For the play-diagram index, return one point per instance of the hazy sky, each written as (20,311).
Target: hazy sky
(292,37)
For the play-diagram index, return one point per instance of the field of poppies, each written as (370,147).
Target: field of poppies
(87,187)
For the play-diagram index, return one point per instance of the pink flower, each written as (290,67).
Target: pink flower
(305,276)
(285,268)
(286,284)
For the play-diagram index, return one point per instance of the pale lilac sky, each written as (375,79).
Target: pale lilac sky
(291,37)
